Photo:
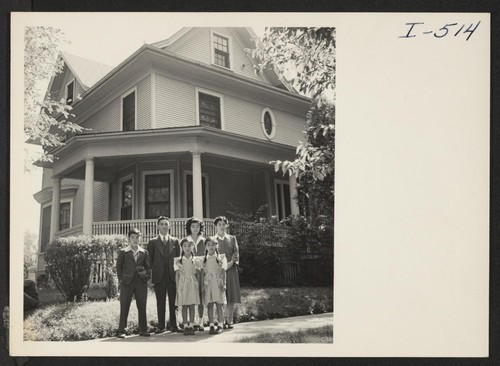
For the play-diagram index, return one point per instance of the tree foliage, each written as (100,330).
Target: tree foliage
(305,57)
(30,249)
(46,119)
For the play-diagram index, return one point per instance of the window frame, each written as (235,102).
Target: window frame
(273,122)
(123,96)
(120,193)
(49,204)
(213,34)
(283,207)
(207,195)
(143,189)
(221,105)
(66,91)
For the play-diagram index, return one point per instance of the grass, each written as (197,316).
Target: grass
(313,335)
(57,320)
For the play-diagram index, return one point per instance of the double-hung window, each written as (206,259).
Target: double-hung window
(209,110)
(221,50)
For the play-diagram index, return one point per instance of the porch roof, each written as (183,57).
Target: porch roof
(199,139)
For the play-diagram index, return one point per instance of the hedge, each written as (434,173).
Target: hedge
(72,261)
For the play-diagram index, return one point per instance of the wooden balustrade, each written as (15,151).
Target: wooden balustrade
(147,227)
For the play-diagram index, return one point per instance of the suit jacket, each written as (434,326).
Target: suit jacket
(126,265)
(162,259)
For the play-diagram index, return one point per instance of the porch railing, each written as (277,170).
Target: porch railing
(147,227)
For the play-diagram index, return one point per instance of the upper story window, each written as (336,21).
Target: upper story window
(129,113)
(268,123)
(70,92)
(209,110)
(221,50)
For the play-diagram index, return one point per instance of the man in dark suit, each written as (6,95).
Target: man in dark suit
(162,250)
(133,268)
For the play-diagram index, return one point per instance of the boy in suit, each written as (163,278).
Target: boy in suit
(133,268)
(163,249)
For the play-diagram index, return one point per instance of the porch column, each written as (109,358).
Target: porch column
(88,198)
(56,206)
(292,183)
(197,189)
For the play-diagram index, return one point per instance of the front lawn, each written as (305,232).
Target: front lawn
(313,335)
(99,319)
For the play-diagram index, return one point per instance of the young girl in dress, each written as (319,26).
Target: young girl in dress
(194,232)
(214,284)
(228,246)
(186,268)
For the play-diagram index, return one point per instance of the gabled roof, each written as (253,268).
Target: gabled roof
(86,71)
(248,36)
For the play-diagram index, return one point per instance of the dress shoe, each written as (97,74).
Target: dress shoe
(176,330)
(120,335)
(212,330)
(230,326)
(144,334)
(160,331)
(201,328)
(219,330)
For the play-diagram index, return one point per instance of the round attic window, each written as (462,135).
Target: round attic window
(268,123)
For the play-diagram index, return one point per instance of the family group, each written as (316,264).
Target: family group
(194,273)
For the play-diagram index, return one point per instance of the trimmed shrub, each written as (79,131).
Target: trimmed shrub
(71,262)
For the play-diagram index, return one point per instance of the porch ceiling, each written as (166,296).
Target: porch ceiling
(118,149)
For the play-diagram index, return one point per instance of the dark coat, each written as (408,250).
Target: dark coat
(126,265)
(162,259)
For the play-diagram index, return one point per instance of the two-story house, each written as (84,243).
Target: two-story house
(182,127)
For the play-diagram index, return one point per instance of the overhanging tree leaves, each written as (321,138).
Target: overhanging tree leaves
(46,120)
(305,57)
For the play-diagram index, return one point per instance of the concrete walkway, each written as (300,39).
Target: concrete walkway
(240,330)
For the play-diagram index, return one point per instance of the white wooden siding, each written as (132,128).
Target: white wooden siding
(175,103)
(198,47)
(244,118)
(144,104)
(107,119)
(100,200)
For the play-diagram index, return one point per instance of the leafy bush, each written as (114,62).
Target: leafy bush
(71,262)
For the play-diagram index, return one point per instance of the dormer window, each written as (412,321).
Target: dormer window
(221,50)
(70,92)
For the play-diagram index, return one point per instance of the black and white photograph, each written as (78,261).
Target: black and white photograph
(194,168)
(249,185)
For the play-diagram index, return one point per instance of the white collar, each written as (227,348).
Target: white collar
(212,255)
(167,237)
(184,257)
(222,237)
(129,248)
(190,238)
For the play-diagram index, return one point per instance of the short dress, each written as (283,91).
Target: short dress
(214,270)
(187,286)
(199,252)
(229,246)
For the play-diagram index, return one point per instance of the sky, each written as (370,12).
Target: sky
(109,38)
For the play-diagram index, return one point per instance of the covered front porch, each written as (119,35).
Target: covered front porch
(176,172)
